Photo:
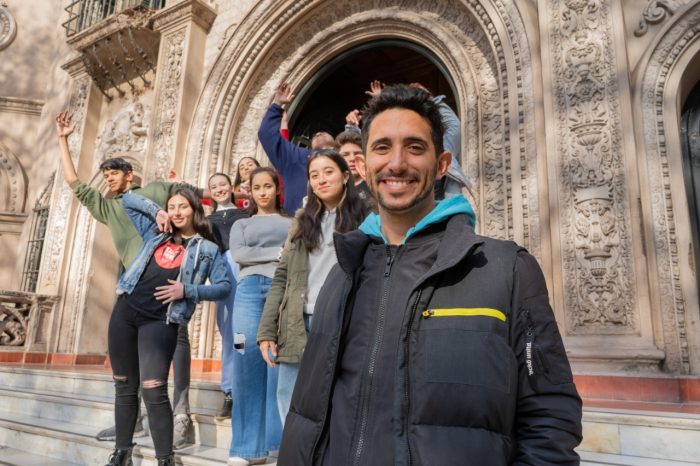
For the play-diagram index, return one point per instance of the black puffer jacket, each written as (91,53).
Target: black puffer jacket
(480,374)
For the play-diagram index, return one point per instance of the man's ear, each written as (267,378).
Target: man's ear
(129,176)
(360,166)
(443,162)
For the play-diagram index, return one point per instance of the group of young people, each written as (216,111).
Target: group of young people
(413,283)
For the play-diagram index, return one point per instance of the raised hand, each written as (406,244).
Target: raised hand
(353,118)
(172,176)
(64,124)
(375,88)
(421,87)
(163,222)
(283,94)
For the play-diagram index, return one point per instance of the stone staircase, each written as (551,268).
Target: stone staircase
(49,417)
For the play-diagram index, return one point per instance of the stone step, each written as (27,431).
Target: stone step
(203,395)
(658,438)
(606,459)
(12,457)
(74,443)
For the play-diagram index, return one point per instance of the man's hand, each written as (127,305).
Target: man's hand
(169,293)
(173,176)
(64,124)
(421,87)
(163,222)
(283,94)
(375,88)
(353,118)
(266,347)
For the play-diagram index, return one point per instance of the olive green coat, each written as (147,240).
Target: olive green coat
(282,319)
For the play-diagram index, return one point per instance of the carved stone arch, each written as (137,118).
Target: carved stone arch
(13,182)
(482,45)
(667,71)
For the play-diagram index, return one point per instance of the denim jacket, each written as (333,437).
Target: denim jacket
(202,261)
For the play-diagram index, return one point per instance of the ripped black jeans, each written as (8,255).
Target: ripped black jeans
(140,352)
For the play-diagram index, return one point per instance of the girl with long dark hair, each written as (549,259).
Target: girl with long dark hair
(241,183)
(333,205)
(255,243)
(157,293)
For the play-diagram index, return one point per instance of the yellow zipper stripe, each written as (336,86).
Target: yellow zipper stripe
(465,312)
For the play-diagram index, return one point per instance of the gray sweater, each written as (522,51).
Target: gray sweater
(321,261)
(256,242)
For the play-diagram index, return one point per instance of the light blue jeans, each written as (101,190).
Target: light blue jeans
(255,420)
(287,378)
(224,322)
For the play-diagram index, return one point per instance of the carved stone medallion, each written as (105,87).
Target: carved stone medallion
(8,27)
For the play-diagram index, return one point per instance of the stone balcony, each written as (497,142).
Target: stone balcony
(116,41)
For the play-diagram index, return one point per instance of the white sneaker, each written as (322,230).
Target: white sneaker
(238,461)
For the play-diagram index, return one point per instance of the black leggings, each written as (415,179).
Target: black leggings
(140,351)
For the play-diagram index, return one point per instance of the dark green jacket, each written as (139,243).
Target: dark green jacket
(110,212)
(282,319)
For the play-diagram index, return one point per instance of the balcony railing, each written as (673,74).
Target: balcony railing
(82,14)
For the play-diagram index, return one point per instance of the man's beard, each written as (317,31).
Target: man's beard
(425,193)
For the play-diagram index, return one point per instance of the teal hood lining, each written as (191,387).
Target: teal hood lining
(443,210)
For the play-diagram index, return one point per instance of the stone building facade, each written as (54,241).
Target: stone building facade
(572,129)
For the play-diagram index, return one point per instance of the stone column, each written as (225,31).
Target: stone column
(183,29)
(594,200)
(70,227)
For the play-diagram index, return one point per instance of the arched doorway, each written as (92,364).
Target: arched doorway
(340,85)
(690,143)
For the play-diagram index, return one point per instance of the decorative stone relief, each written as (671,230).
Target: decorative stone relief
(14,318)
(598,267)
(13,192)
(58,221)
(126,132)
(8,26)
(654,13)
(654,91)
(294,53)
(167,103)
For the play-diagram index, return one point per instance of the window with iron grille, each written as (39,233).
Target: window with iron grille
(40,218)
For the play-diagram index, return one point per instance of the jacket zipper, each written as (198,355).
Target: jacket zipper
(406,394)
(364,413)
(464,312)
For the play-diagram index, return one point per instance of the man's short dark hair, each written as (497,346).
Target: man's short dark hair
(348,137)
(116,163)
(402,96)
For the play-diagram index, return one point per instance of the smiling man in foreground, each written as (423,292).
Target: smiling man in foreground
(432,345)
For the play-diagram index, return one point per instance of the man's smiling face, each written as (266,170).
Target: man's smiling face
(401,162)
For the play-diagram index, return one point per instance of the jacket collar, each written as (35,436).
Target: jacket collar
(458,241)
(442,211)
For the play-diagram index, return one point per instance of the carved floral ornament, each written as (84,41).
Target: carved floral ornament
(654,13)
(8,26)
(126,132)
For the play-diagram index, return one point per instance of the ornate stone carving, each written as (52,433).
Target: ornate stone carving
(126,132)
(58,221)
(8,26)
(13,323)
(13,191)
(654,90)
(170,70)
(654,13)
(598,267)
(235,98)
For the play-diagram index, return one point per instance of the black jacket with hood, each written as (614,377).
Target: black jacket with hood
(458,363)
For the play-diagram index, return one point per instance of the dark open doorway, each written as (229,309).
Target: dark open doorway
(340,85)
(690,142)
